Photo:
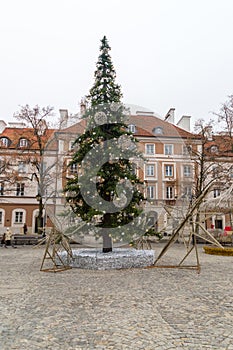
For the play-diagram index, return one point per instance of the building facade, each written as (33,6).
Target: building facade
(30,178)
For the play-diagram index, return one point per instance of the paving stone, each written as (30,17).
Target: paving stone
(125,309)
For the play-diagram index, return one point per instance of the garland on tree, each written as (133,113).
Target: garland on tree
(106,191)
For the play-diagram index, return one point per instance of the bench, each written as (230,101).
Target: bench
(23,240)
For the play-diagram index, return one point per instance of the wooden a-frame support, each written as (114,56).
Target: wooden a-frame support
(192,236)
(142,243)
(55,243)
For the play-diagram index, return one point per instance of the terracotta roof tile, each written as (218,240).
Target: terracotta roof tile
(224,144)
(15,134)
(148,123)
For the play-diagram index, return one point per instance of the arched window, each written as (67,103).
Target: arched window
(4,142)
(214,149)
(132,128)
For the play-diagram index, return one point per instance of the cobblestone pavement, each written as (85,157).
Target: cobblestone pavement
(118,309)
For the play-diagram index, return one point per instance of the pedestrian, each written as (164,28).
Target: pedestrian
(3,239)
(25,229)
(8,236)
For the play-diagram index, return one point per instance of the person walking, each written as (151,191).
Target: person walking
(3,239)
(25,229)
(8,236)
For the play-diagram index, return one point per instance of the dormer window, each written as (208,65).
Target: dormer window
(23,143)
(158,130)
(5,142)
(214,149)
(20,189)
(132,128)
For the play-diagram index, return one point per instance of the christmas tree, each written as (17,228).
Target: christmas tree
(106,191)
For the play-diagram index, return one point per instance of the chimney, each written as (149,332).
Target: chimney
(184,122)
(63,118)
(16,125)
(209,132)
(83,106)
(170,116)
(2,126)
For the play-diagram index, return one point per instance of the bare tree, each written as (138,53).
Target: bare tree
(36,121)
(8,176)
(225,115)
(209,171)
(211,168)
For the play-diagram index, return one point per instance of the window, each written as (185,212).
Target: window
(169,192)
(21,167)
(187,170)
(18,217)
(219,224)
(187,150)
(150,192)
(169,170)
(134,169)
(168,149)
(214,149)
(20,189)
(188,191)
(5,142)
(158,130)
(71,145)
(1,216)
(74,168)
(216,192)
(151,221)
(23,143)
(150,170)
(132,128)
(216,171)
(150,148)
(1,189)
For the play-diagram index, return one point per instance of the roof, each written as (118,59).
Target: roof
(224,144)
(15,134)
(75,129)
(145,124)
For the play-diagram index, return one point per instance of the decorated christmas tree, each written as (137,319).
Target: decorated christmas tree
(106,193)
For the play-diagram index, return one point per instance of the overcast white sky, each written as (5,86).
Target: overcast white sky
(167,53)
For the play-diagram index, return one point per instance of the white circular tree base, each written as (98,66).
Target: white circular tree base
(119,258)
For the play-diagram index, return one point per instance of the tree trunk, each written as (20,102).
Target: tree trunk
(40,218)
(107,243)
(107,240)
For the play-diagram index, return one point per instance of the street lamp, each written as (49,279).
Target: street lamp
(38,197)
